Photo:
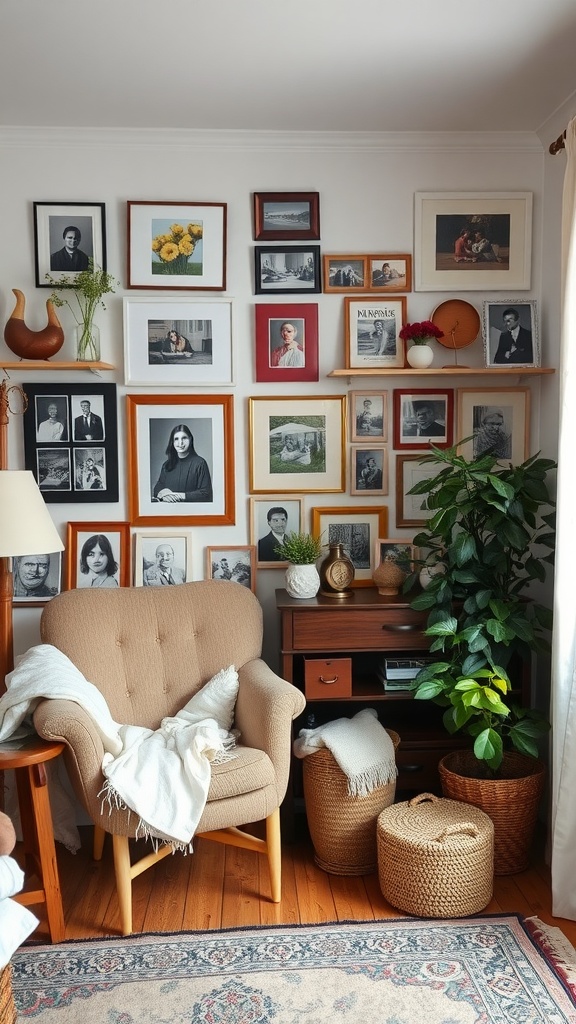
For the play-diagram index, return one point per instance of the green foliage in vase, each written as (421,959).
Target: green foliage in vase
(300,548)
(87,288)
(486,520)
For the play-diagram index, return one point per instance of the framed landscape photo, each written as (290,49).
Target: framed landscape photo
(495,420)
(177,341)
(372,329)
(287,269)
(467,241)
(297,444)
(162,558)
(421,416)
(410,471)
(70,441)
(36,579)
(176,245)
(181,460)
(270,520)
(368,415)
(233,562)
(368,469)
(97,556)
(355,528)
(286,342)
(66,237)
(511,333)
(286,216)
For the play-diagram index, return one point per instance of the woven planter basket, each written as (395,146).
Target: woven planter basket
(435,857)
(342,827)
(7,1007)
(512,802)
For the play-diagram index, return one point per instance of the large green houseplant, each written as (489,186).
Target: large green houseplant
(491,528)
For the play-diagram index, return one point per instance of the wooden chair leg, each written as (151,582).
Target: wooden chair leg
(123,873)
(274,846)
(98,842)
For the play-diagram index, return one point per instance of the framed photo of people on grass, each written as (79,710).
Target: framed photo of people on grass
(357,529)
(176,245)
(162,558)
(496,421)
(97,556)
(233,562)
(177,341)
(372,331)
(466,241)
(286,342)
(181,460)
(297,444)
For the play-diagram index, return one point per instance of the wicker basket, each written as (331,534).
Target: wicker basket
(435,857)
(7,1007)
(512,802)
(342,827)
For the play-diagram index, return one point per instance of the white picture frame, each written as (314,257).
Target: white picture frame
(206,266)
(317,424)
(146,544)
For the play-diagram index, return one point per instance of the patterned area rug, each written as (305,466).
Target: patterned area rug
(483,970)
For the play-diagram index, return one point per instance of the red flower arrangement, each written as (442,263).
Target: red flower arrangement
(420,333)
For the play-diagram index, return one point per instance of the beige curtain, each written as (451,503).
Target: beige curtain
(563,708)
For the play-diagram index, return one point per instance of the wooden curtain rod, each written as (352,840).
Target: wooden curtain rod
(555,147)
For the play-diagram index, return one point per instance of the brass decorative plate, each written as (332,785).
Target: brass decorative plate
(459,320)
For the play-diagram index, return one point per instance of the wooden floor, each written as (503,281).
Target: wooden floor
(223,887)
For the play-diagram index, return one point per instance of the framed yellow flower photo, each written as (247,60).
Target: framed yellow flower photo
(177,245)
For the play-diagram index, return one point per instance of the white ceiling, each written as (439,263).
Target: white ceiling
(299,65)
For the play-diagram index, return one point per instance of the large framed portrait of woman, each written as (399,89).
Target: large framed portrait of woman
(181,460)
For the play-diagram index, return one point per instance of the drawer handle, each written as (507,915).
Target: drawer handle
(328,682)
(406,628)
(410,768)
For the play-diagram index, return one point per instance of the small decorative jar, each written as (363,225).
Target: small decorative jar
(336,573)
(388,577)
(302,581)
(419,357)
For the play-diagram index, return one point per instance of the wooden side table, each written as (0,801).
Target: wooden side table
(29,762)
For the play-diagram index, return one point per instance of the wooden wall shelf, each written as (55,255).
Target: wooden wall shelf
(61,364)
(452,371)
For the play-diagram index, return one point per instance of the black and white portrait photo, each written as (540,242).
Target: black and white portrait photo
(88,417)
(52,418)
(89,469)
(422,417)
(36,578)
(163,562)
(71,246)
(271,520)
(181,461)
(368,415)
(492,430)
(511,333)
(495,421)
(70,238)
(368,470)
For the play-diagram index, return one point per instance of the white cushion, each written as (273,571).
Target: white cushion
(216,699)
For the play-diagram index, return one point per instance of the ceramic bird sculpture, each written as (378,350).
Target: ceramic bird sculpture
(33,344)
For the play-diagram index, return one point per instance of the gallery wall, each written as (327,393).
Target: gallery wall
(366,185)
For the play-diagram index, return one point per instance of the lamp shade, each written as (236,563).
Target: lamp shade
(26,526)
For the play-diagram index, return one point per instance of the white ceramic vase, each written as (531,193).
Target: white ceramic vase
(419,357)
(302,580)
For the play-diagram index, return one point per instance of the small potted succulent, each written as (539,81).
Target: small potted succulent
(301,551)
(420,355)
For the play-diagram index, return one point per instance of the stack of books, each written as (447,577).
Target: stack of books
(397,673)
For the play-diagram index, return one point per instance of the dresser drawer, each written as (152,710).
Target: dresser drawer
(327,679)
(418,769)
(342,629)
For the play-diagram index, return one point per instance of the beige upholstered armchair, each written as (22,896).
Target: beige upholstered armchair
(148,650)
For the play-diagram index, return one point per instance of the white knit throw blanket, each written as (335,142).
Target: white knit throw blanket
(361,747)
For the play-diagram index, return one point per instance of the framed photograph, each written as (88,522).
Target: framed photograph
(162,558)
(270,520)
(287,270)
(287,342)
(177,341)
(368,414)
(494,420)
(511,333)
(177,245)
(36,578)
(355,528)
(66,237)
(423,416)
(368,272)
(398,552)
(368,469)
(285,216)
(472,241)
(409,472)
(297,444)
(373,332)
(71,441)
(181,460)
(234,562)
(97,555)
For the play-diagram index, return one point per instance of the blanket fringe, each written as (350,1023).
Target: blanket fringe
(365,782)
(112,798)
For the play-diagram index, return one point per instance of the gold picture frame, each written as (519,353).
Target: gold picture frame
(357,529)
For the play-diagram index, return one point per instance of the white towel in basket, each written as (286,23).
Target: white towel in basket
(360,745)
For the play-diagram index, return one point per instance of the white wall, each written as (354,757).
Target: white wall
(366,185)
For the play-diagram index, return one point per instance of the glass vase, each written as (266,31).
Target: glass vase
(87,339)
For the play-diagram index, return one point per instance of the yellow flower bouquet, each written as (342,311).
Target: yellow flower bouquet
(173,251)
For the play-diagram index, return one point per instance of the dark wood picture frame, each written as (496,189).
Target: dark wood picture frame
(408,405)
(286,216)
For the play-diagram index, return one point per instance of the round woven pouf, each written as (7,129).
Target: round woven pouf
(435,857)
(342,827)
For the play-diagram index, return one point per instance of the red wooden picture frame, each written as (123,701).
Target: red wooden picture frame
(269,341)
(408,433)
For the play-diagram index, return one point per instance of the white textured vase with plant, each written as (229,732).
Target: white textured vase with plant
(87,288)
(302,551)
(421,333)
